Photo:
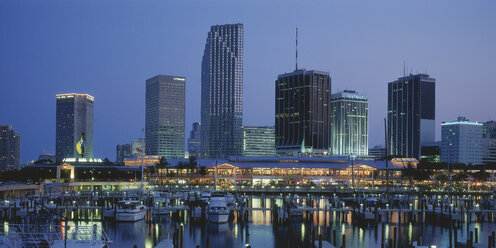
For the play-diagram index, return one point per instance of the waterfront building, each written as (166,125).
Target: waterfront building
(10,147)
(303,113)
(281,171)
(411,114)
(377,152)
(349,126)
(461,142)
(222,92)
(259,141)
(137,146)
(489,142)
(165,115)
(74,126)
(194,141)
(123,151)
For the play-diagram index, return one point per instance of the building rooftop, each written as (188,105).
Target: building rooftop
(461,121)
(298,162)
(302,71)
(348,94)
(72,95)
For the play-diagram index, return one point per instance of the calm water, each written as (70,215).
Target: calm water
(262,233)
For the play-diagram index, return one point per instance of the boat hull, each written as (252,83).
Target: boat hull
(218,218)
(130,216)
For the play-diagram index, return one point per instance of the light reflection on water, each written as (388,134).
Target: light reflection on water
(260,232)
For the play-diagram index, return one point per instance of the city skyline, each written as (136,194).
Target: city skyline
(51,62)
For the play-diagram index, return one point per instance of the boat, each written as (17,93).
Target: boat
(192,197)
(130,210)
(205,196)
(161,205)
(217,211)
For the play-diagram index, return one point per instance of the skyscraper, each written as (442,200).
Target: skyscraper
(194,141)
(74,131)
(411,114)
(123,151)
(165,114)
(222,92)
(349,128)
(259,141)
(303,113)
(461,141)
(10,147)
(489,142)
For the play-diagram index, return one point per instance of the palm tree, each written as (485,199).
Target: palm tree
(410,172)
(162,163)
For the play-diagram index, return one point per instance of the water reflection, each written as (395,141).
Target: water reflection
(261,232)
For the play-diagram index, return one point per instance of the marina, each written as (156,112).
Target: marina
(184,217)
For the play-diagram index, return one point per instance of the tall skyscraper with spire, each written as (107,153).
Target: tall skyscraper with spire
(74,130)
(222,92)
(303,112)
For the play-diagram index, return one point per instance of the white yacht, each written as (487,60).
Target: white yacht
(130,210)
(162,203)
(218,211)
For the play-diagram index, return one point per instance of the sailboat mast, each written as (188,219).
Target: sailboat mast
(142,155)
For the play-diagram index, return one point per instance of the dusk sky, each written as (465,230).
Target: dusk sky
(109,48)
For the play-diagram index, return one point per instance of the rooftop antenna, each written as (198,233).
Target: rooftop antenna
(404,72)
(296,48)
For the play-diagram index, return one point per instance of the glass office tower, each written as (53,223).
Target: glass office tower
(349,130)
(74,130)
(165,114)
(222,92)
(411,114)
(303,113)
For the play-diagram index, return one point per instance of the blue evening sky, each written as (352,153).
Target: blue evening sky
(109,48)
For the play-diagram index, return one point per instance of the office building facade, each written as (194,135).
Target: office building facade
(259,141)
(349,127)
(461,142)
(377,152)
(194,141)
(10,148)
(489,142)
(123,151)
(138,146)
(165,116)
(411,114)
(222,92)
(303,113)
(74,130)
